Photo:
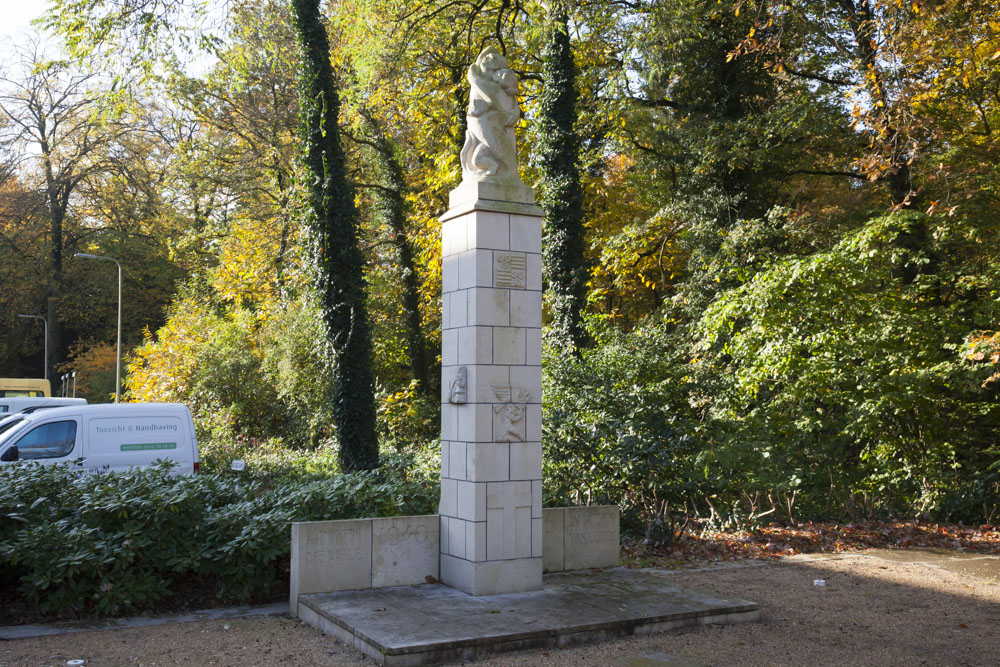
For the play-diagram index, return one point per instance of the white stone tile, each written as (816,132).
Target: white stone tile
(525,233)
(449,274)
(508,345)
(449,422)
(454,236)
(458,573)
(553,530)
(449,347)
(508,520)
(449,497)
(506,576)
(405,550)
(483,378)
(489,307)
(459,308)
(475,269)
(533,347)
(536,499)
(457,458)
(489,229)
(445,543)
(467,269)
(525,308)
(446,311)
(475,539)
(456,537)
(530,378)
(533,271)
(533,419)
(526,460)
(445,457)
(475,345)
(475,423)
(496,547)
(522,532)
(472,501)
(488,461)
(536,537)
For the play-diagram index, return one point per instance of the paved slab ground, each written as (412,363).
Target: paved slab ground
(432,623)
(901,607)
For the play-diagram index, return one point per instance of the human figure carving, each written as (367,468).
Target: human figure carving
(456,395)
(490,151)
(511,409)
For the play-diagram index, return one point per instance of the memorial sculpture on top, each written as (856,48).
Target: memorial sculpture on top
(489,155)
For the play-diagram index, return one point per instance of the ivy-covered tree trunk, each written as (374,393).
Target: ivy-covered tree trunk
(562,196)
(337,261)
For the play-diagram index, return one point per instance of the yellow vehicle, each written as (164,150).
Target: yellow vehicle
(11,387)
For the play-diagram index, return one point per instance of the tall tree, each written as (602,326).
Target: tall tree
(562,194)
(338,263)
(49,113)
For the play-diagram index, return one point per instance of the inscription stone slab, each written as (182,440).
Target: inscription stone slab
(330,556)
(404,550)
(579,538)
(591,537)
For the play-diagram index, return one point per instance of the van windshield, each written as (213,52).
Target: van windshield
(7,427)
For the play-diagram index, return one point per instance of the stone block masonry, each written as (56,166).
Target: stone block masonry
(362,553)
(491,416)
(579,538)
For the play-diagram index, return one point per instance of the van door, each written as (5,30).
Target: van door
(50,442)
(120,442)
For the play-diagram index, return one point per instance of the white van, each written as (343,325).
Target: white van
(104,437)
(24,403)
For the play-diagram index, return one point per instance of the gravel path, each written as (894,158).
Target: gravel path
(876,608)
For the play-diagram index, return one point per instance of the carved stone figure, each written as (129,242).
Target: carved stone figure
(490,151)
(509,426)
(457,391)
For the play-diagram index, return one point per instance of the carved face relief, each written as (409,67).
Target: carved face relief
(457,392)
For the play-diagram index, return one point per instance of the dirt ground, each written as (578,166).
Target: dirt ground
(877,607)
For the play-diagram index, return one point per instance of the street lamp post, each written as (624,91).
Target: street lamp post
(46,323)
(118,349)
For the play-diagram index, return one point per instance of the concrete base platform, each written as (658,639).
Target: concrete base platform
(432,623)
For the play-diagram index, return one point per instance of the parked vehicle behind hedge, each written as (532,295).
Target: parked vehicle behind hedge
(10,406)
(105,437)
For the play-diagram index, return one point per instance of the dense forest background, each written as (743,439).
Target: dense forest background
(789,292)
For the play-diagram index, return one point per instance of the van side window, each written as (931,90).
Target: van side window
(48,441)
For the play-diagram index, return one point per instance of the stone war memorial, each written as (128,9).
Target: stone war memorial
(493,570)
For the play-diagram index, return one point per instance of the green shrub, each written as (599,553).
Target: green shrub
(618,428)
(110,543)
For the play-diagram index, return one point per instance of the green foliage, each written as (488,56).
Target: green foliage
(619,428)
(851,374)
(112,543)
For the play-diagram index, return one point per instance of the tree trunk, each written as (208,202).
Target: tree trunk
(338,265)
(562,196)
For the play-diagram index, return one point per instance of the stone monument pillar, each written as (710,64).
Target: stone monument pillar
(491,414)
